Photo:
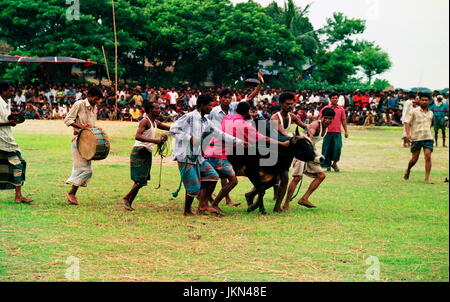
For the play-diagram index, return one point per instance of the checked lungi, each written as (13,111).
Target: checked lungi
(12,170)
(141,164)
(81,169)
(193,175)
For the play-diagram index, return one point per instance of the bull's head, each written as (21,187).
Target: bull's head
(302,148)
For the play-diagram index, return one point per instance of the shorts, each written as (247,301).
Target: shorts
(418,145)
(222,167)
(193,175)
(310,168)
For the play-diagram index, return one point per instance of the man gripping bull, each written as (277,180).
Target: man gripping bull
(316,131)
(284,119)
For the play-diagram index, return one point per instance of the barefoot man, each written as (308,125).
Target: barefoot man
(418,132)
(141,155)
(193,132)
(216,116)
(82,115)
(12,165)
(284,118)
(316,131)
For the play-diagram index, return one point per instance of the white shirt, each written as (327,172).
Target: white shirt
(341,101)
(192,101)
(7,142)
(173,97)
(19,100)
(407,106)
(192,124)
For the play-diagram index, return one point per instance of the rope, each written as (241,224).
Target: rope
(163,150)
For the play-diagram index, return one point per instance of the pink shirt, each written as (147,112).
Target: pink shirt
(335,126)
(235,125)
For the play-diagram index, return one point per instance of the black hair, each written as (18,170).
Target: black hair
(275,108)
(95,91)
(4,86)
(333,94)
(204,99)
(286,96)
(412,95)
(328,112)
(225,91)
(243,108)
(148,106)
(425,95)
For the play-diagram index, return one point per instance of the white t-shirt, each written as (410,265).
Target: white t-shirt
(173,97)
(19,100)
(192,101)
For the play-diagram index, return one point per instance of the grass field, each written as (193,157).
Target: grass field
(366,210)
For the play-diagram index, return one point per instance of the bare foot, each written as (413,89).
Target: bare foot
(306,203)
(429,182)
(232,204)
(286,208)
(208,209)
(72,200)
(220,212)
(126,205)
(188,214)
(23,200)
(406,176)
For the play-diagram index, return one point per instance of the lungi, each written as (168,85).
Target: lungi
(81,169)
(140,165)
(192,176)
(12,170)
(331,148)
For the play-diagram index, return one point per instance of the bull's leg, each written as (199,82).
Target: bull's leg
(250,196)
(260,202)
(284,179)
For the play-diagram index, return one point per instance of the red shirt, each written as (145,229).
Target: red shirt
(335,125)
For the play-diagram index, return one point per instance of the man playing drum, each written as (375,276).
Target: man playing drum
(82,115)
(141,155)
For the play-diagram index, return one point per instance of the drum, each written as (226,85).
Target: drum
(93,144)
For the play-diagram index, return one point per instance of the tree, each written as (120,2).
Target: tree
(374,61)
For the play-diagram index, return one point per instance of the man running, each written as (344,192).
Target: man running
(418,132)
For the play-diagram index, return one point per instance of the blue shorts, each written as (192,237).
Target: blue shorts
(418,145)
(222,167)
(193,175)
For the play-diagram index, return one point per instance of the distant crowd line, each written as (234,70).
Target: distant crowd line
(369,108)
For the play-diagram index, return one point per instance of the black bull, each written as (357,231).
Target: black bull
(264,177)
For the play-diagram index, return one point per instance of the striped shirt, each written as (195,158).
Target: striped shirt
(420,122)
(7,142)
(192,124)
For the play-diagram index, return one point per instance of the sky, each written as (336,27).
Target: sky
(415,33)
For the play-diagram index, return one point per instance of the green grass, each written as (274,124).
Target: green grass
(366,210)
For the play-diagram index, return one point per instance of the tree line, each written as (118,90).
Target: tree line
(173,42)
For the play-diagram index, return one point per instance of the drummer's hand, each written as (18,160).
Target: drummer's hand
(12,123)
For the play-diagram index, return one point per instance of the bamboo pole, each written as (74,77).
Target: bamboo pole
(106,63)
(115,52)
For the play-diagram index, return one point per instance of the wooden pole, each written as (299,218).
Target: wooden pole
(115,51)
(106,64)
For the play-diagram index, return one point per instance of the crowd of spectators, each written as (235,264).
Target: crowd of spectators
(378,108)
